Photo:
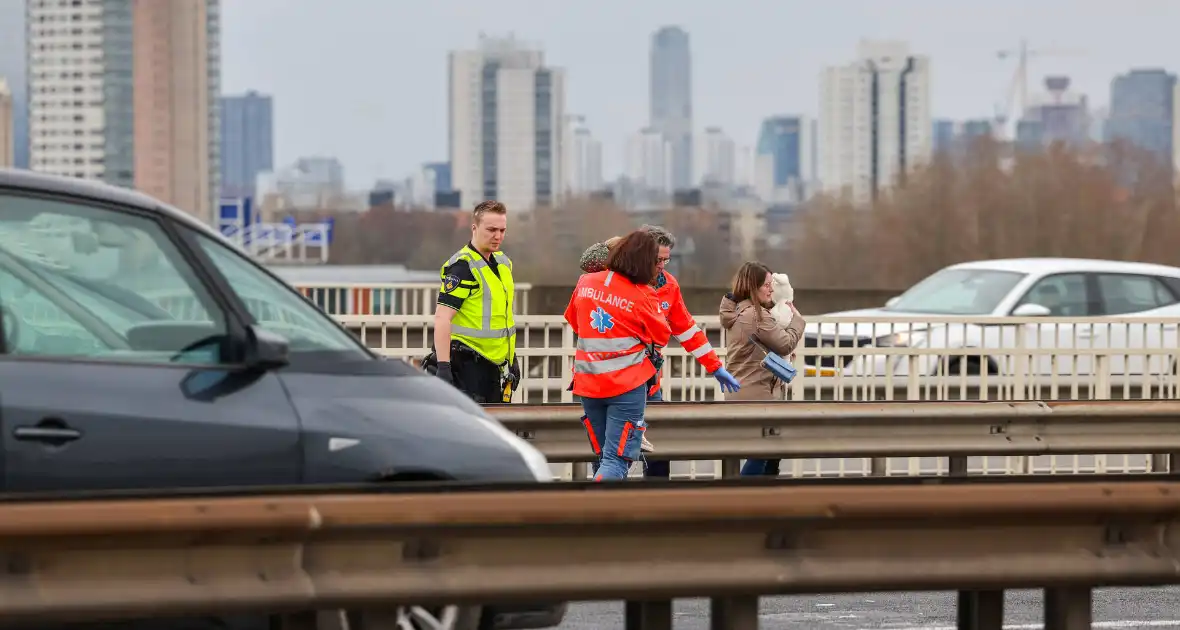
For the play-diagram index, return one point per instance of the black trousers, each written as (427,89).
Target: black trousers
(477,377)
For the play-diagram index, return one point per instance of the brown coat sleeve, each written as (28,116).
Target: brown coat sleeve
(781,341)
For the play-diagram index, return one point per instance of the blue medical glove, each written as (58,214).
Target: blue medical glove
(729,384)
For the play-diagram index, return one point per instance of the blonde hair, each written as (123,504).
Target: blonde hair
(487,207)
(749,278)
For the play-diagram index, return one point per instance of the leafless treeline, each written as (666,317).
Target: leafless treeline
(1104,202)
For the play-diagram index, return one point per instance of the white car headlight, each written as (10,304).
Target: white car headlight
(907,339)
(533,458)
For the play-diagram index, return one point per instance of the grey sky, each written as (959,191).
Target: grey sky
(365,80)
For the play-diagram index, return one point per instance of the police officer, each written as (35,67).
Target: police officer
(474,327)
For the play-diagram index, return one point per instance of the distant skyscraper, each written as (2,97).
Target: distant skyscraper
(783,166)
(583,158)
(506,112)
(944,135)
(955,137)
(719,167)
(671,99)
(1143,110)
(176,63)
(649,162)
(13,69)
(247,142)
(874,120)
(1061,115)
(442,175)
(6,126)
(138,105)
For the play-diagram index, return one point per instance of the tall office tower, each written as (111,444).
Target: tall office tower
(7,127)
(719,168)
(1143,110)
(875,121)
(126,92)
(583,158)
(650,163)
(505,125)
(13,69)
(247,142)
(783,162)
(671,99)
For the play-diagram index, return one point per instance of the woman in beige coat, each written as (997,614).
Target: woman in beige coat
(745,312)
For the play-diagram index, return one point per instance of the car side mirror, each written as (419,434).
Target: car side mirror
(1031,310)
(265,350)
(891,302)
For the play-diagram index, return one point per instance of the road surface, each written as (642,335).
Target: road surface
(1114,609)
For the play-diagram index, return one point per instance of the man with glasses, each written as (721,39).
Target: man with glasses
(684,328)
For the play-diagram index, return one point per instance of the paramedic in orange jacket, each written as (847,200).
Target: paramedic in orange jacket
(684,328)
(616,315)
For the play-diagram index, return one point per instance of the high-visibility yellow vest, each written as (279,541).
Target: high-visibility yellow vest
(486,322)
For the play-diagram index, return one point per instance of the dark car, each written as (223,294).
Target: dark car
(142,350)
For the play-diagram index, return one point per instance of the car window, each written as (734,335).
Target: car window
(86,281)
(1126,293)
(278,308)
(958,292)
(1065,295)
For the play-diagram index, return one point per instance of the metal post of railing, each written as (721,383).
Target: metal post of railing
(733,613)
(648,615)
(1068,608)
(981,610)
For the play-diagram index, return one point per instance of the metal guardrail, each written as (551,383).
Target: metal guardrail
(121,559)
(790,430)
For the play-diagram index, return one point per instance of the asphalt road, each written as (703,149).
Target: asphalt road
(1114,609)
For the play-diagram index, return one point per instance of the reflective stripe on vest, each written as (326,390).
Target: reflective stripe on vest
(588,365)
(479,268)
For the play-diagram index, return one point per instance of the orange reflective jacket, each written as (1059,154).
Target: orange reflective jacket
(615,321)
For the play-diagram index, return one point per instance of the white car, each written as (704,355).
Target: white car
(1053,288)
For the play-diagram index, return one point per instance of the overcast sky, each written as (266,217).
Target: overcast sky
(365,80)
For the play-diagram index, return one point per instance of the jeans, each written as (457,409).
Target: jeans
(660,468)
(615,428)
(758,467)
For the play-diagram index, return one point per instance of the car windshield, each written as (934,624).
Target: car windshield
(958,292)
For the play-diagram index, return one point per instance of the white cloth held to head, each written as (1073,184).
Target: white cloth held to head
(784,294)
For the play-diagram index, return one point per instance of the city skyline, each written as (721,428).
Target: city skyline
(745,68)
(408,133)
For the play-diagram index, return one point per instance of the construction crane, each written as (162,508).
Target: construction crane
(1016,99)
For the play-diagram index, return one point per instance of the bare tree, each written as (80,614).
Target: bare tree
(1112,202)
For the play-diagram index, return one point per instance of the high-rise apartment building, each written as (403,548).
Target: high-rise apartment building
(247,142)
(719,166)
(13,70)
(875,123)
(670,99)
(505,125)
(125,91)
(1143,109)
(583,158)
(650,163)
(7,127)
(784,168)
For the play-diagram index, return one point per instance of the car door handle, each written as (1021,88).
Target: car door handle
(52,432)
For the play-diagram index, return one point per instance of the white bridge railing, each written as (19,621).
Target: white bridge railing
(393,298)
(844,358)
